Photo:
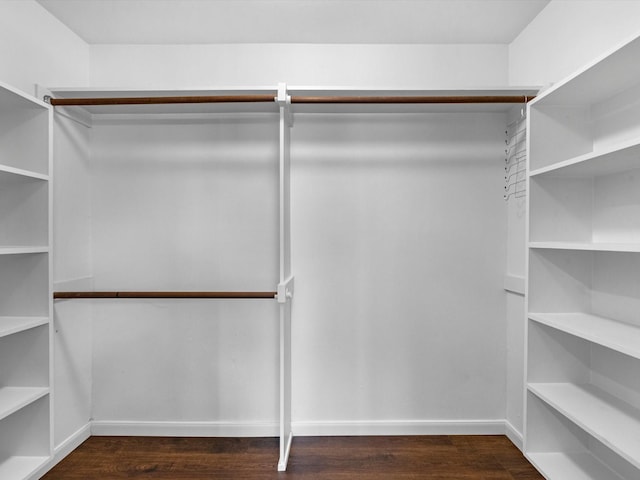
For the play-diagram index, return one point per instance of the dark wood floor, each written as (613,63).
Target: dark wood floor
(439,457)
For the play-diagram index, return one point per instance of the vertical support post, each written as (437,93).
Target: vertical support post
(285,288)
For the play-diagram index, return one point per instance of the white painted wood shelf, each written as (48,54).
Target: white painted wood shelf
(619,336)
(20,466)
(13,399)
(611,159)
(25,284)
(23,250)
(582,405)
(11,175)
(588,246)
(11,325)
(572,466)
(608,419)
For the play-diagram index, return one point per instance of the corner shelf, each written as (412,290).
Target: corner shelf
(583,291)
(26,305)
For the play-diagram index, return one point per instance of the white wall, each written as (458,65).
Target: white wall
(36,48)
(398,240)
(398,251)
(567,35)
(186,206)
(396,66)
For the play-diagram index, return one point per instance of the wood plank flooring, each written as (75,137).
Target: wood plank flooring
(441,457)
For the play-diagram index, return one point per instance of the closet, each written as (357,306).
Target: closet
(188,197)
(583,328)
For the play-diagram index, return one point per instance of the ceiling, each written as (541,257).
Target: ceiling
(295,21)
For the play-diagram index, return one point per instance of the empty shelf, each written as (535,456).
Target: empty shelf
(573,466)
(20,466)
(13,399)
(608,419)
(588,246)
(619,336)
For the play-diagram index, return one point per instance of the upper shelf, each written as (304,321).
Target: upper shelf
(12,98)
(271,107)
(611,74)
(612,159)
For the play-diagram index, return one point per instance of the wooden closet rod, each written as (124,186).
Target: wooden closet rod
(87,102)
(71,295)
(297,99)
(414,99)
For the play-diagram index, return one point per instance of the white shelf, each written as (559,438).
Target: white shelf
(613,159)
(574,466)
(12,174)
(611,421)
(613,73)
(587,246)
(618,336)
(22,250)
(20,466)
(11,325)
(13,399)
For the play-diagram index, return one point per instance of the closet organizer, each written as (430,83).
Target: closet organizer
(89,105)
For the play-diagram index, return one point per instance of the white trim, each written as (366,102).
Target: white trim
(400,427)
(64,449)
(514,435)
(184,429)
(514,284)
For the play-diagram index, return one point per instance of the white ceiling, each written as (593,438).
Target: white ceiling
(295,21)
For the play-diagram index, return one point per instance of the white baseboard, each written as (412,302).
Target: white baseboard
(401,427)
(183,429)
(514,435)
(64,449)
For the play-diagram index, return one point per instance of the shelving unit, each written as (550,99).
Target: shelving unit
(25,284)
(583,292)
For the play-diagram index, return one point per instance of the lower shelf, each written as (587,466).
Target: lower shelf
(613,422)
(13,399)
(575,466)
(20,467)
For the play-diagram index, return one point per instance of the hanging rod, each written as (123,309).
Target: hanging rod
(413,99)
(87,102)
(296,99)
(72,295)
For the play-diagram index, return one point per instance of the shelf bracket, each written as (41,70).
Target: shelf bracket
(284,101)
(285,290)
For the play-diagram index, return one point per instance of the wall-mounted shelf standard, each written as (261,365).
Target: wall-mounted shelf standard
(583,292)
(25,284)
